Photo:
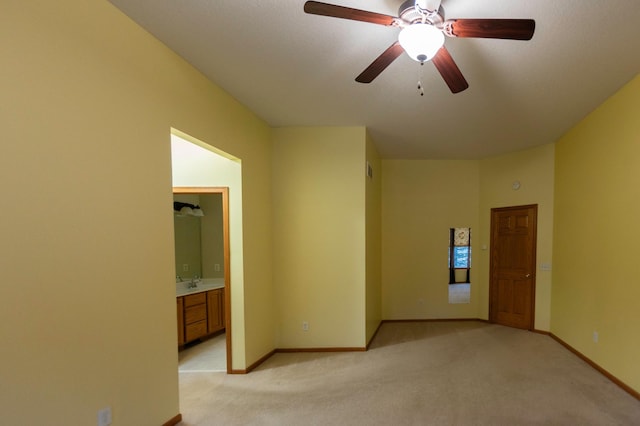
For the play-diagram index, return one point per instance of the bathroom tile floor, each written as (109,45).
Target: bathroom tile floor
(207,356)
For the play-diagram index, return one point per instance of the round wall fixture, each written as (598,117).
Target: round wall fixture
(515,185)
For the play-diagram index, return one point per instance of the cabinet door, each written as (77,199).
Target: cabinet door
(180,308)
(195,313)
(195,299)
(223,302)
(196,330)
(215,315)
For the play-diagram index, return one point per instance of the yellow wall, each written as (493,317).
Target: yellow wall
(319,235)
(88,317)
(534,169)
(373,290)
(595,279)
(421,200)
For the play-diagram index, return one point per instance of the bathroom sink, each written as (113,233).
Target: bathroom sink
(205,284)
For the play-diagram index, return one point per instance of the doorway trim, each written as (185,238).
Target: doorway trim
(224,191)
(531,267)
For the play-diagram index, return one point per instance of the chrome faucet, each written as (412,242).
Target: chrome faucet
(194,282)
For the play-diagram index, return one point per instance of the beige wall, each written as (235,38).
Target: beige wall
(88,102)
(373,241)
(534,169)
(319,236)
(595,284)
(421,200)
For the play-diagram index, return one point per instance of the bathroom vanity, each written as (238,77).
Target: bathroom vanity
(200,312)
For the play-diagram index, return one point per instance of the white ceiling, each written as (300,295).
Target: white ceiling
(296,69)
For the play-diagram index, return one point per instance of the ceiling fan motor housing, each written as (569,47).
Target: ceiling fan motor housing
(408,13)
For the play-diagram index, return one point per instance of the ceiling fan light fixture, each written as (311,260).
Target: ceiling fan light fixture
(421,41)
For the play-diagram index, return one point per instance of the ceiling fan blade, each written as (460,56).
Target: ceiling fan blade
(325,9)
(512,29)
(381,62)
(449,71)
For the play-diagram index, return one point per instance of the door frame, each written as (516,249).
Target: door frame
(226,252)
(492,285)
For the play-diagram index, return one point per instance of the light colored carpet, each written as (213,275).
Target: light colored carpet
(448,373)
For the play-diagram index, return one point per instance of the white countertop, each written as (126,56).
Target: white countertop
(205,284)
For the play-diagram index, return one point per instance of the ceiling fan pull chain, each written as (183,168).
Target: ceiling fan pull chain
(420,88)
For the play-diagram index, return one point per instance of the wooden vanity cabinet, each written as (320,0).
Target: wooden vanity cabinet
(200,314)
(215,314)
(195,316)
(180,308)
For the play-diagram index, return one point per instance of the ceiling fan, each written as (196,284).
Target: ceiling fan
(423,33)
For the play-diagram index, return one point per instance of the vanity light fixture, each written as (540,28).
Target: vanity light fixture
(186,209)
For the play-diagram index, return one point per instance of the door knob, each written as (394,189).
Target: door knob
(527,275)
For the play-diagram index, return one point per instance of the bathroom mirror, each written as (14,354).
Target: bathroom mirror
(199,240)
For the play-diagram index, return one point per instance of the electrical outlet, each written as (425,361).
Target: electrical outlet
(104,417)
(595,337)
(305,326)
(216,267)
(545,266)
(185,267)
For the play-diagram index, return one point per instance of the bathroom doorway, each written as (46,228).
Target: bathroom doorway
(197,166)
(203,259)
